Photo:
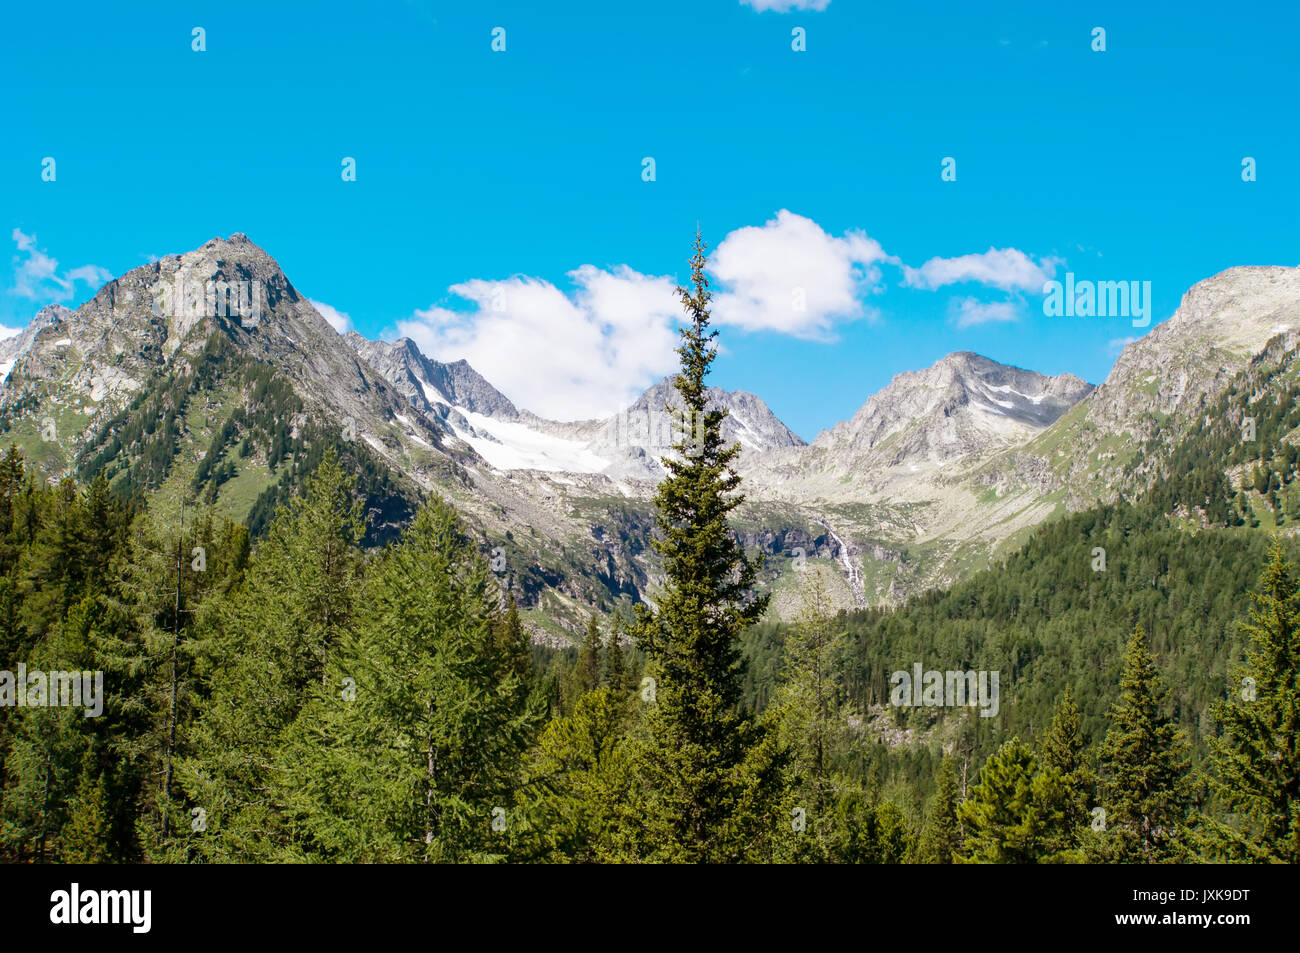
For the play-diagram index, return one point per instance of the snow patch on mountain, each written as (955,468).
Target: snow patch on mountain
(508,445)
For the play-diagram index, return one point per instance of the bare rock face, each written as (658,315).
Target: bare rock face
(924,431)
(426,383)
(1221,323)
(963,404)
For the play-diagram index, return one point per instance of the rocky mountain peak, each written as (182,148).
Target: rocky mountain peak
(155,319)
(430,384)
(963,403)
(749,420)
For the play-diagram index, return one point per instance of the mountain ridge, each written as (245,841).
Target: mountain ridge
(932,477)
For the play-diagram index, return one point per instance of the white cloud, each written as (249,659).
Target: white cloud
(1005,268)
(37,276)
(564,356)
(1118,344)
(791,276)
(785,6)
(339,321)
(586,352)
(967,312)
(6,333)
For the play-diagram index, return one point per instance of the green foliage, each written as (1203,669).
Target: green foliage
(584,787)
(411,748)
(1267,393)
(1144,782)
(1255,763)
(942,836)
(1013,813)
(310,687)
(589,657)
(712,772)
(1046,619)
(270,644)
(1065,750)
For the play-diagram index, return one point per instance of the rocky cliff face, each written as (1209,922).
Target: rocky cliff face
(427,383)
(925,430)
(961,405)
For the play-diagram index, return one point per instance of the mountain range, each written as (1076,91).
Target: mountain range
(208,374)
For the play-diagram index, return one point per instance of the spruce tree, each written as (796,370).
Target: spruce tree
(86,835)
(617,676)
(941,836)
(812,722)
(1255,761)
(511,650)
(1064,749)
(1144,781)
(712,771)
(589,657)
(585,807)
(811,718)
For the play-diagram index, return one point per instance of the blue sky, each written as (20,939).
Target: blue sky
(500,212)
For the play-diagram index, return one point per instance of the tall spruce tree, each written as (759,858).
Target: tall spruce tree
(617,676)
(713,772)
(589,657)
(941,836)
(510,649)
(813,725)
(1255,761)
(1065,749)
(811,719)
(1144,780)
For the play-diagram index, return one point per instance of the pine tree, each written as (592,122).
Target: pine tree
(1255,761)
(1144,783)
(172,581)
(1010,815)
(941,836)
(894,837)
(272,641)
(864,831)
(811,719)
(589,657)
(1064,749)
(713,772)
(812,722)
(617,676)
(47,748)
(510,647)
(85,836)
(582,771)
(412,751)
